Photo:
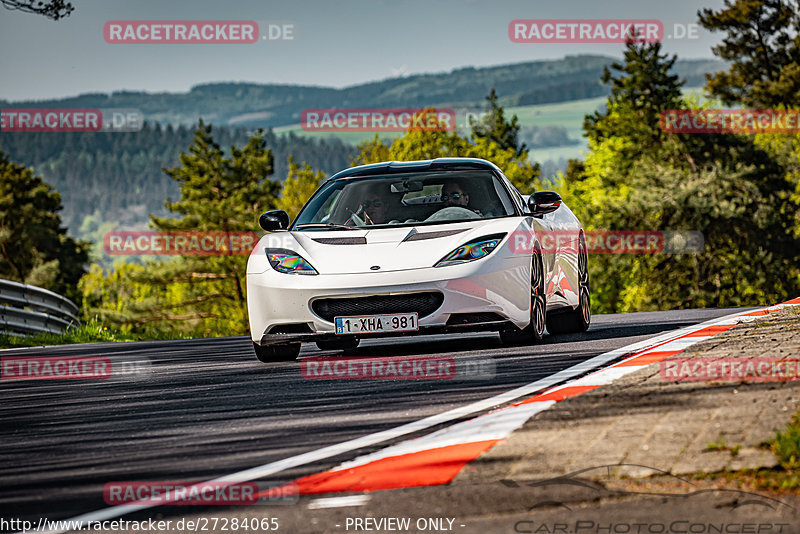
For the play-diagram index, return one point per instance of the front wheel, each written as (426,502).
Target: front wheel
(577,320)
(276,353)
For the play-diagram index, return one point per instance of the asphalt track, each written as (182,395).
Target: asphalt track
(204,408)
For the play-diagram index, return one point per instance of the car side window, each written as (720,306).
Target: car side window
(516,198)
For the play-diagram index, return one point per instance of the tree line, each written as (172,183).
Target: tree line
(119,177)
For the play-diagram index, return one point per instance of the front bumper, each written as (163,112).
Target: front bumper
(498,284)
(492,326)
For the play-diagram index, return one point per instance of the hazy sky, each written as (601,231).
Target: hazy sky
(337,42)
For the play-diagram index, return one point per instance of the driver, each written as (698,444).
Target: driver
(454,196)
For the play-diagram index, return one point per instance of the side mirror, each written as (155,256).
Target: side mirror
(274,220)
(543,202)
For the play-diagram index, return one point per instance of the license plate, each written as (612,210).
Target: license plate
(398,322)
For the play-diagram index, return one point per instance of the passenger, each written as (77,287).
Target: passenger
(374,209)
(371,208)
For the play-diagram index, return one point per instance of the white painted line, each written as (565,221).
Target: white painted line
(682,344)
(600,378)
(339,502)
(419,425)
(492,426)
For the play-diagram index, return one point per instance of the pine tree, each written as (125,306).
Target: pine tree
(641,88)
(34,247)
(495,127)
(762,42)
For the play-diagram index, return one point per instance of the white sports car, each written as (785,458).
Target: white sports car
(419,247)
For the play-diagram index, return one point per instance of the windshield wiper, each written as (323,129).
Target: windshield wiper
(326,225)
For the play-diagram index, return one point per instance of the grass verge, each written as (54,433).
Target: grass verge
(89,332)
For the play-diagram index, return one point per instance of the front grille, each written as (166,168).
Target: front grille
(422,303)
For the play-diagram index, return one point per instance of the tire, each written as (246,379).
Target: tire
(346,344)
(276,353)
(534,332)
(578,319)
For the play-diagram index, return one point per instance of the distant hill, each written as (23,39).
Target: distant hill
(117,178)
(258,105)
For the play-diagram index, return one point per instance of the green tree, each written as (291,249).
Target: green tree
(641,89)
(494,126)
(723,185)
(200,294)
(298,187)
(34,248)
(762,42)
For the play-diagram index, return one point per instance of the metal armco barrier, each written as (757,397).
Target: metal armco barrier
(28,309)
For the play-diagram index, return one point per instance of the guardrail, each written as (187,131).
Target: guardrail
(28,309)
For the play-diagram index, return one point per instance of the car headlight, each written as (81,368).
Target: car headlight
(288,262)
(471,251)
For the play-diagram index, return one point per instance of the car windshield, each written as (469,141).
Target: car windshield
(406,199)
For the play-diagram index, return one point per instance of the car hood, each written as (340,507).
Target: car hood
(383,249)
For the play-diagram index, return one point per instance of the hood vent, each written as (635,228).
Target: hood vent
(420,236)
(341,240)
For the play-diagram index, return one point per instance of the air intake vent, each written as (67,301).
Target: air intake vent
(422,303)
(474,318)
(294,328)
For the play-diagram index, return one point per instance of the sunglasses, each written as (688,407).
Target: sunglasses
(454,196)
(372,204)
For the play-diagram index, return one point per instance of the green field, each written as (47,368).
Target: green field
(566,114)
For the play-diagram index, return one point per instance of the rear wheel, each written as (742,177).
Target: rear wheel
(276,353)
(346,344)
(534,332)
(576,320)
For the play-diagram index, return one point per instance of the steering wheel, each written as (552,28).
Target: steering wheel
(356,220)
(453,213)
